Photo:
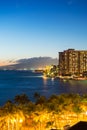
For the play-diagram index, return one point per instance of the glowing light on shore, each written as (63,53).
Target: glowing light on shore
(20,120)
(44,77)
(86,113)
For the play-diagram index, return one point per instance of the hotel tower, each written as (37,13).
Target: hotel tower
(73,62)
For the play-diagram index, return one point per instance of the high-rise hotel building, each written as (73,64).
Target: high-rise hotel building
(72,62)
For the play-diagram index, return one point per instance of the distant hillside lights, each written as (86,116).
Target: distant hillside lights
(73,63)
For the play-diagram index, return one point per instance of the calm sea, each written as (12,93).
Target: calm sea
(13,83)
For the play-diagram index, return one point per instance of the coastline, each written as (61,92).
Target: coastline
(72,78)
(66,77)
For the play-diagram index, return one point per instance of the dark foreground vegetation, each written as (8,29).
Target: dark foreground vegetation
(43,114)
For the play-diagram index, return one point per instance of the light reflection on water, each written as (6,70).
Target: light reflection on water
(74,86)
(16,82)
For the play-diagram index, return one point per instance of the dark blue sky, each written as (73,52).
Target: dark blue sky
(31,28)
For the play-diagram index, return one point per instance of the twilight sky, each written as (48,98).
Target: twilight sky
(33,28)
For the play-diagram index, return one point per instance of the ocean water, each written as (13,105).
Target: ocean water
(13,83)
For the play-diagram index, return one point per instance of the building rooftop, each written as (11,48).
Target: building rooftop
(82,125)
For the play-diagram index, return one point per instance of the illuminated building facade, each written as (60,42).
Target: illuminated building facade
(72,62)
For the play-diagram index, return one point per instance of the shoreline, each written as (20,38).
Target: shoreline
(72,78)
(66,78)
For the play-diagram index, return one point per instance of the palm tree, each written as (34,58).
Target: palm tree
(21,99)
(77,109)
(12,116)
(36,96)
(8,112)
